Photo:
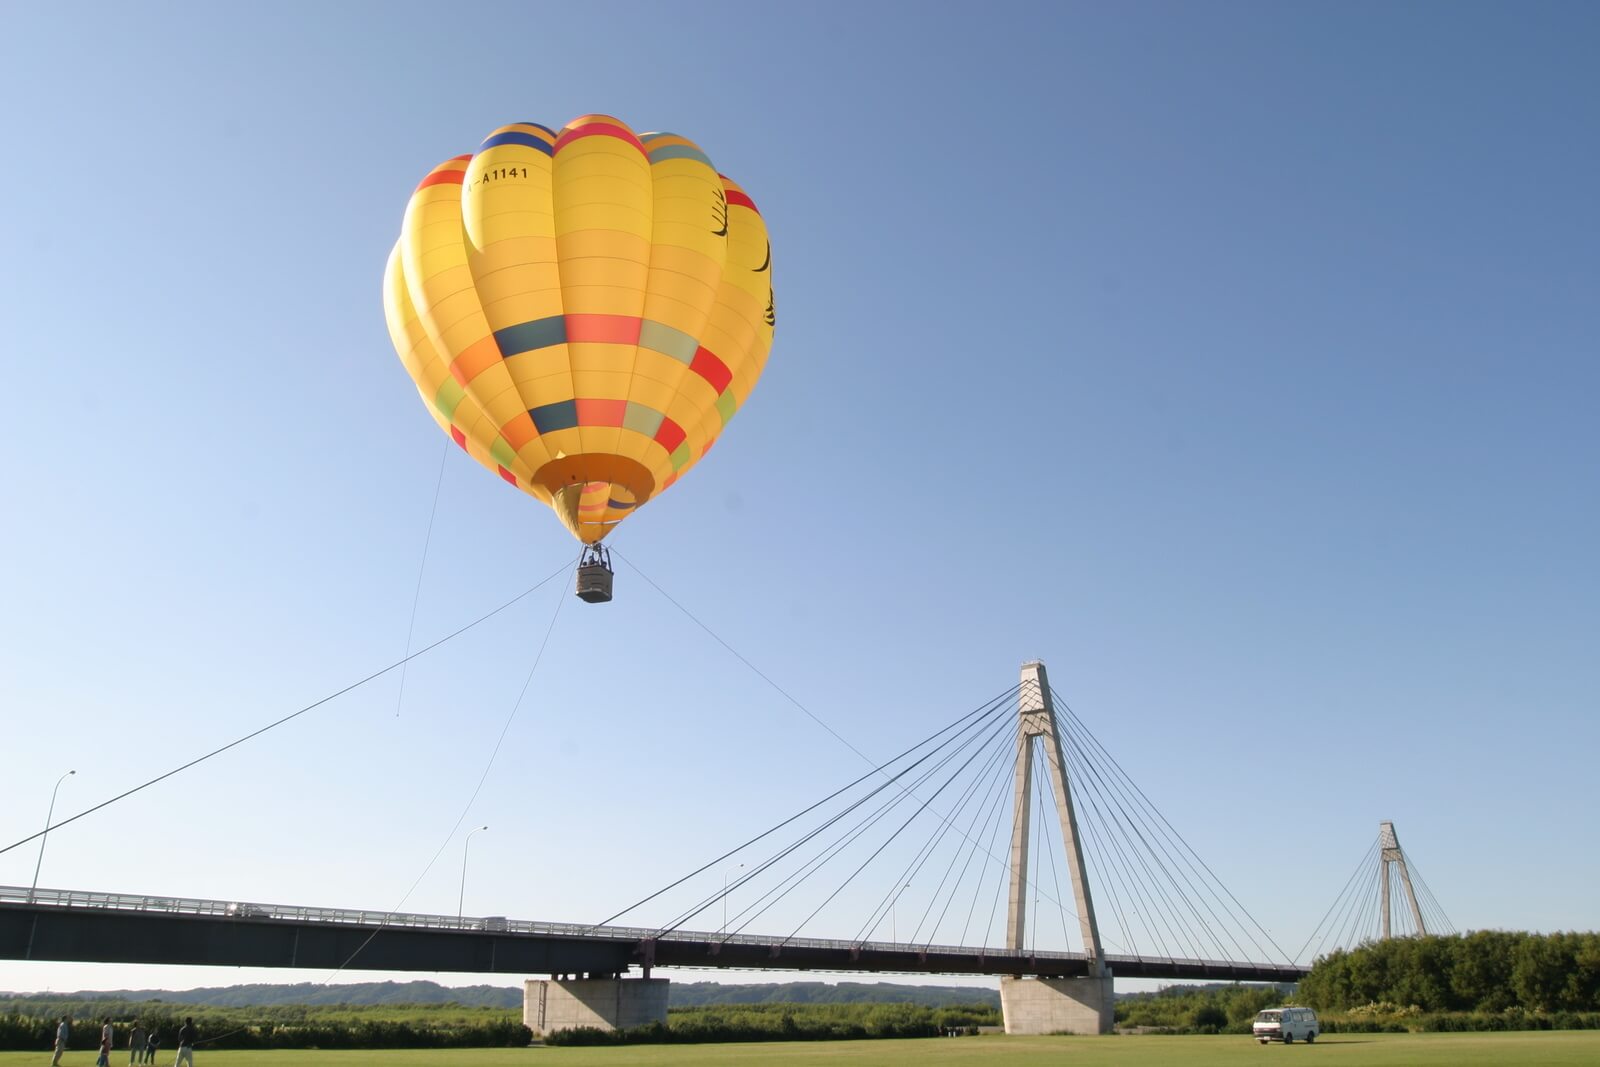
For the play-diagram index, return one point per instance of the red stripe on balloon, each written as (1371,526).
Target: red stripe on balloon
(736,197)
(507,475)
(712,369)
(458,437)
(600,129)
(670,435)
(448,176)
(601,412)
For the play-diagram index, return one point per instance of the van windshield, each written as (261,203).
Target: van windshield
(1269,1017)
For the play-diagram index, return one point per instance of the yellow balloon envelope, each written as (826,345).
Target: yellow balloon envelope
(582,311)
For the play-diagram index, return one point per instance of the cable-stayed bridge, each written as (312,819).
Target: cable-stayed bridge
(955,817)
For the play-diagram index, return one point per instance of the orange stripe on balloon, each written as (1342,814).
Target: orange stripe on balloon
(519,430)
(475,359)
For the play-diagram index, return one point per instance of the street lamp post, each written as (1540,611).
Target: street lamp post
(51,814)
(463,895)
(894,933)
(725,874)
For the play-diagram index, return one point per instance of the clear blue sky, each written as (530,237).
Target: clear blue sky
(1238,360)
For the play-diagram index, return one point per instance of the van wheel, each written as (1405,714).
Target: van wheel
(1288,1037)
(1312,1036)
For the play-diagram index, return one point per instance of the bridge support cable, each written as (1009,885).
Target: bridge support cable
(847,837)
(999,730)
(1439,922)
(1234,915)
(1182,899)
(900,883)
(1099,857)
(472,799)
(1130,836)
(252,735)
(1323,926)
(914,868)
(1133,853)
(999,869)
(965,722)
(986,796)
(1367,913)
(1108,833)
(1362,918)
(1146,837)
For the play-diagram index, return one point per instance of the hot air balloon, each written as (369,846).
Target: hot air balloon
(582,312)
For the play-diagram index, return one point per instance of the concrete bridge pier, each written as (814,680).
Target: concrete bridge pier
(605,1003)
(1058,1005)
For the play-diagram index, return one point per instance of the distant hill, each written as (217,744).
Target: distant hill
(681,995)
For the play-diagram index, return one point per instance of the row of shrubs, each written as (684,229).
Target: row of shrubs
(28,1032)
(1460,1022)
(789,1022)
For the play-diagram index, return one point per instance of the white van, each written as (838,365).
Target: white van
(1287,1025)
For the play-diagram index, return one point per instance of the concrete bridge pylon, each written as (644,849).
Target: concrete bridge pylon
(1391,854)
(1050,1005)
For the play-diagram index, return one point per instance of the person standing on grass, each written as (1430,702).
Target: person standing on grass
(104,1059)
(136,1044)
(63,1033)
(152,1043)
(185,1043)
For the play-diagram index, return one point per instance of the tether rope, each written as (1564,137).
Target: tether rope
(422,567)
(287,718)
(467,807)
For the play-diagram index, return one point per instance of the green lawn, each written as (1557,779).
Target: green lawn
(1393,1050)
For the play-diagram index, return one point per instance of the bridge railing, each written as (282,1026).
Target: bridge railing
(235,909)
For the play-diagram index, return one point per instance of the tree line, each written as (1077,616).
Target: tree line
(281,1027)
(1490,971)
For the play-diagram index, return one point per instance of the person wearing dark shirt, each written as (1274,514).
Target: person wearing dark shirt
(185,1043)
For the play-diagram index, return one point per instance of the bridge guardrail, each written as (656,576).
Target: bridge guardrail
(72,898)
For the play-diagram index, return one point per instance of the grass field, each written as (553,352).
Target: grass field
(1576,1047)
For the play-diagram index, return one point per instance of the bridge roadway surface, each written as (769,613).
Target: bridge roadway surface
(74,926)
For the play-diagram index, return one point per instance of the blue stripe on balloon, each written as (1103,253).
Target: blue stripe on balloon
(518,137)
(527,336)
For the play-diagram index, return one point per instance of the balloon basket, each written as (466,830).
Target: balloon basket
(594,575)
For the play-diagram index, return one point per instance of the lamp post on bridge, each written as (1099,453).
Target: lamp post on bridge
(463,895)
(725,874)
(51,814)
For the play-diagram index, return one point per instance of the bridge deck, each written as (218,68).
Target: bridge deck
(67,925)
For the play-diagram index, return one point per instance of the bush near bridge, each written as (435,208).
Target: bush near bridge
(1489,972)
(790,1022)
(29,1024)
(1210,1009)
